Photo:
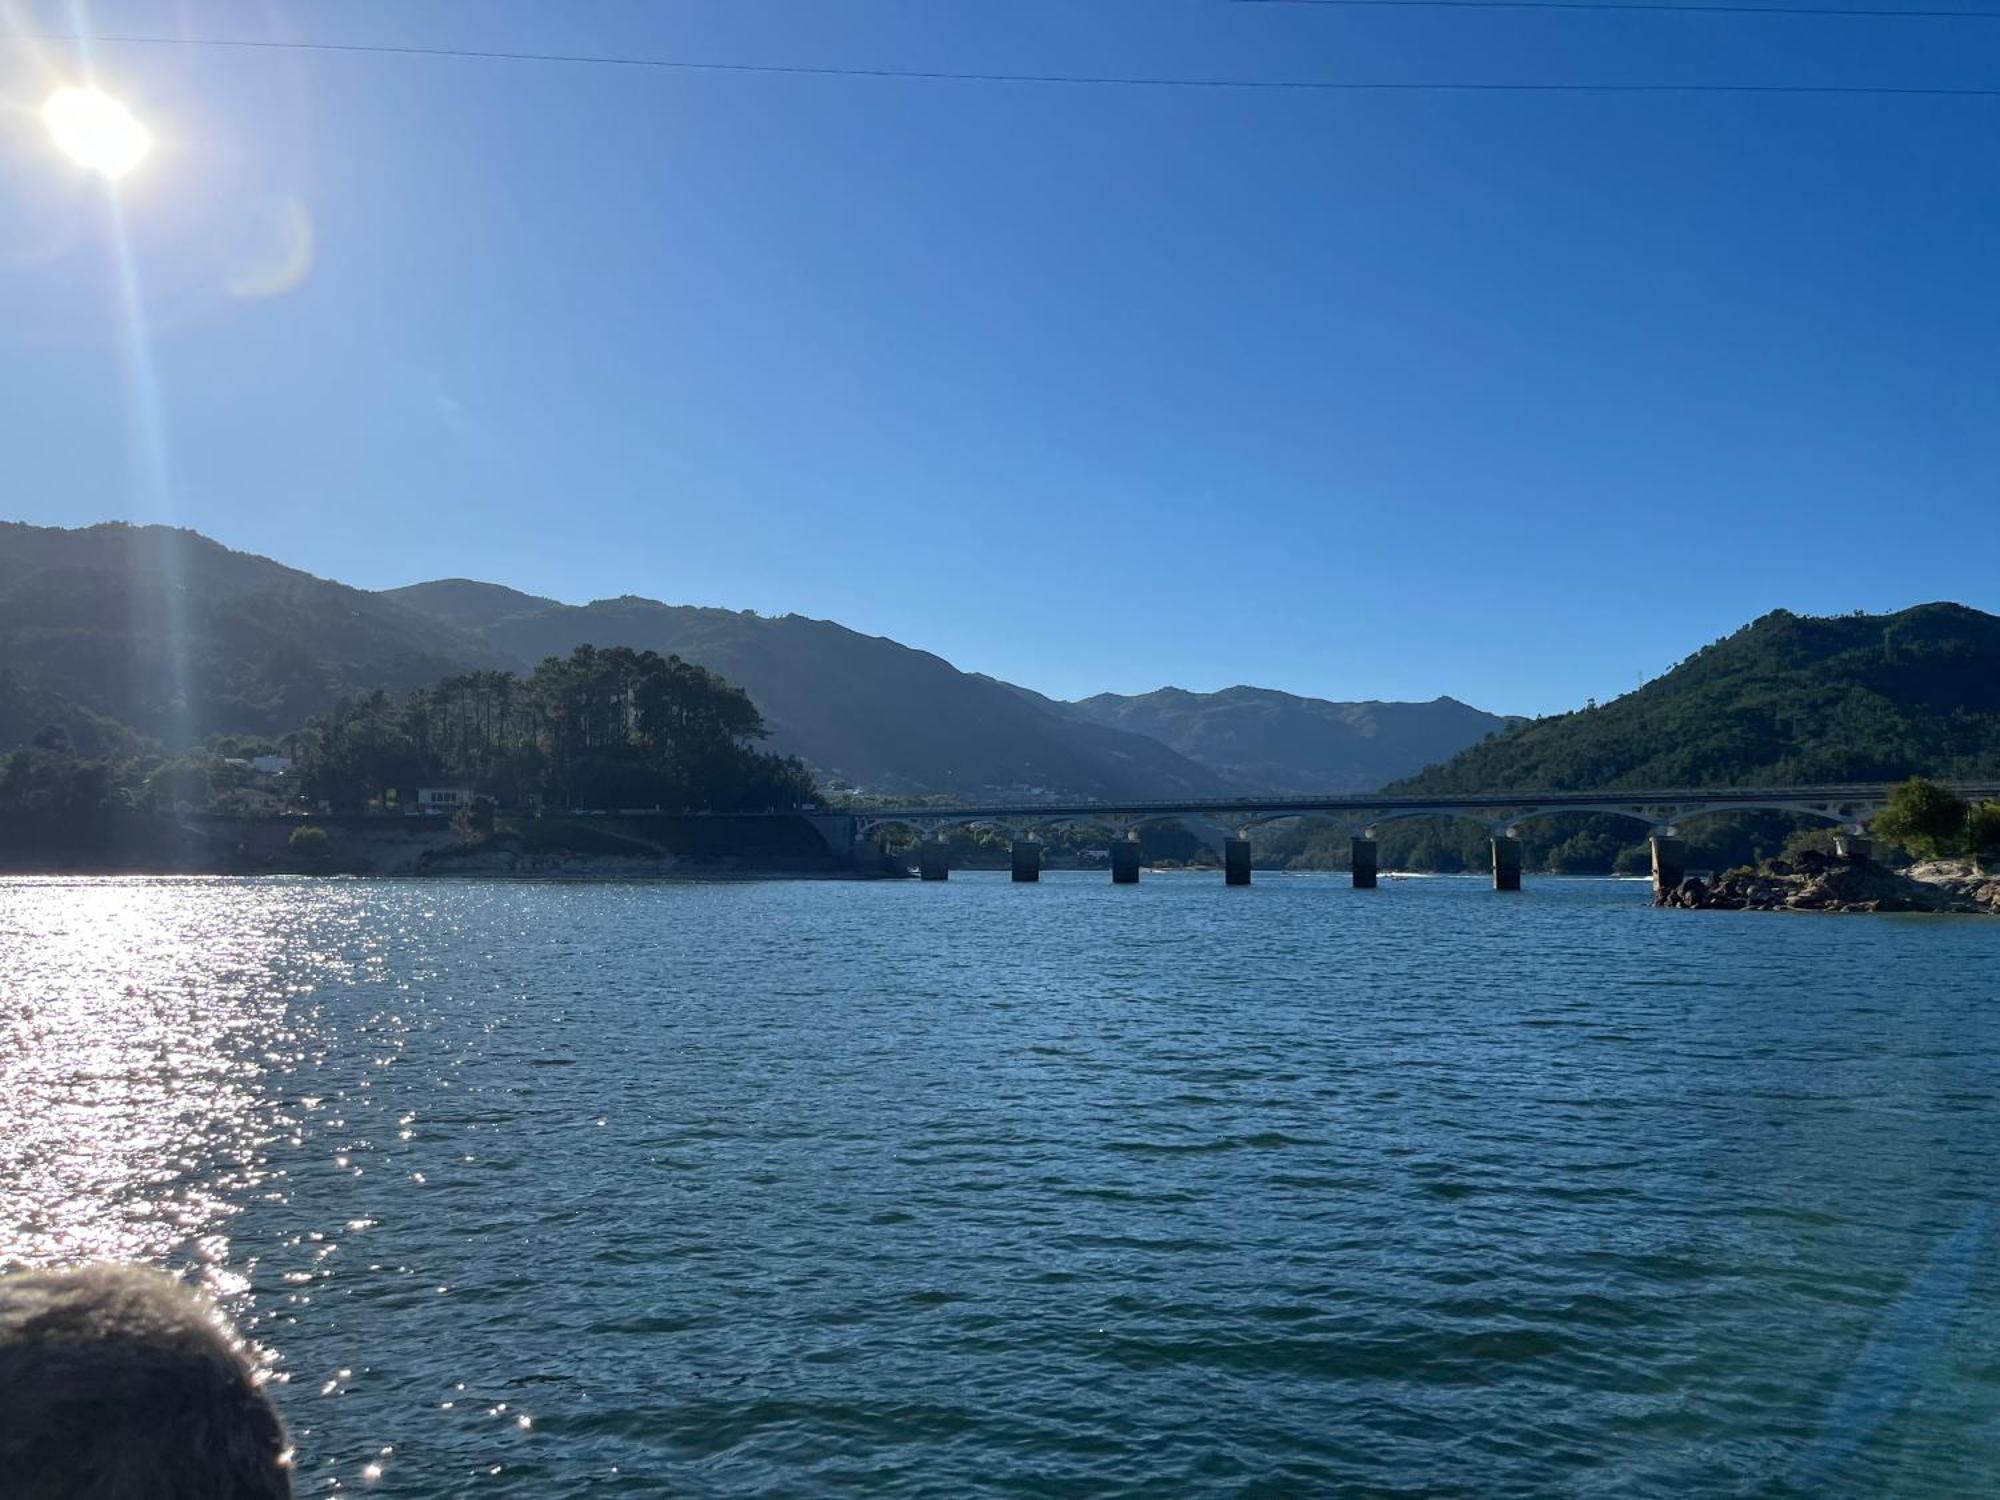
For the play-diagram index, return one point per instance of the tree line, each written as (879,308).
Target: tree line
(602,728)
(1933,823)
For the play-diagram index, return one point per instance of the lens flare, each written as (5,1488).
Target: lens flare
(96,131)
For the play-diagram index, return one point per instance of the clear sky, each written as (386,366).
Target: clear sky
(1511,396)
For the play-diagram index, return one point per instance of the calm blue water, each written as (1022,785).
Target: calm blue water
(976,1189)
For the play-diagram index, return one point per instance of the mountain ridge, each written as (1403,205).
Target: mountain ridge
(1786,700)
(1268,740)
(468,602)
(169,634)
(118,631)
(868,710)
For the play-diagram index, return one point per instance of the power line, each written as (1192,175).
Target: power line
(1093,80)
(1613,6)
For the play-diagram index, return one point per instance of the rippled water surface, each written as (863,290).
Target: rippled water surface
(977,1189)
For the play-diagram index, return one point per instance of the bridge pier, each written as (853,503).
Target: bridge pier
(1837,806)
(1125,861)
(1361,859)
(1236,861)
(1027,860)
(1857,847)
(1669,862)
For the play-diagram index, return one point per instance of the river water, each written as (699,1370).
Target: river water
(976,1189)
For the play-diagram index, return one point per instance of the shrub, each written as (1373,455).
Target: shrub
(308,842)
(1982,828)
(1809,841)
(475,819)
(1924,818)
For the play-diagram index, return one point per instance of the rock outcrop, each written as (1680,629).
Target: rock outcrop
(1826,882)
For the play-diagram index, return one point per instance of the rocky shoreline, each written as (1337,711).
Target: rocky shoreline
(1827,882)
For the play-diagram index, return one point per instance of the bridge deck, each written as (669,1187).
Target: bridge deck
(1856,794)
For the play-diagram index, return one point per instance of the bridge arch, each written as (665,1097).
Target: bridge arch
(1650,819)
(1850,805)
(1663,817)
(1439,814)
(1005,825)
(1854,818)
(1287,815)
(868,828)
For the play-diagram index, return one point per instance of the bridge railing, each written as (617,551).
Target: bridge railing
(1860,793)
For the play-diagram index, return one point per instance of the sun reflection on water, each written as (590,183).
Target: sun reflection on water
(139,1033)
(544,1190)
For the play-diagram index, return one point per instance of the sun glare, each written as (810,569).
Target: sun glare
(96,131)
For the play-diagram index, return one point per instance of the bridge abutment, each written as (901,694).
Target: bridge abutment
(934,860)
(1857,847)
(1236,861)
(1669,862)
(1361,860)
(1506,863)
(1124,861)
(1027,861)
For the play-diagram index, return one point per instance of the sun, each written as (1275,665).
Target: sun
(96,131)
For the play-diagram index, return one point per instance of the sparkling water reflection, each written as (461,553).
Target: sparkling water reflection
(983,1189)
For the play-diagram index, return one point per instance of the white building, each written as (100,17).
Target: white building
(442,799)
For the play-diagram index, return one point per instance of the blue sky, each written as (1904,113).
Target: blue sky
(1516,397)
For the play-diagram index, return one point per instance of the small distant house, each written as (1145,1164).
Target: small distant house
(270,765)
(422,801)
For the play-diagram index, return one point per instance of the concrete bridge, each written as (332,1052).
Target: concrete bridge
(1848,807)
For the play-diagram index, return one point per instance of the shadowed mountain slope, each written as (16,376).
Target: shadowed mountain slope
(1268,741)
(467,603)
(114,629)
(876,714)
(177,637)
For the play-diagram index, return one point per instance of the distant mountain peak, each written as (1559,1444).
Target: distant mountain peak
(1269,740)
(466,602)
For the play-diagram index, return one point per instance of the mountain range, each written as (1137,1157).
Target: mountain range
(1279,742)
(118,631)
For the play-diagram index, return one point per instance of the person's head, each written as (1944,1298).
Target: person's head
(122,1384)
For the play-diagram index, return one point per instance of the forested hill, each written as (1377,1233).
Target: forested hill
(1787,699)
(867,710)
(1268,741)
(116,630)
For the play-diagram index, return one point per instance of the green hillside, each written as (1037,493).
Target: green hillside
(1788,699)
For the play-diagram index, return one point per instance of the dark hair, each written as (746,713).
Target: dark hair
(122,1384)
